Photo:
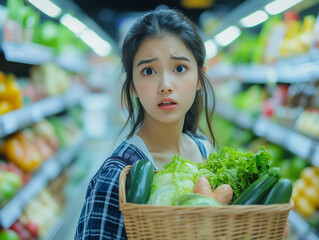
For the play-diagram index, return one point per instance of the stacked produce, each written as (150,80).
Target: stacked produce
(306,191)
(30,147)
(10,183)
(10,94)
(24,25)
(280,37)
(25,151)
(227,177)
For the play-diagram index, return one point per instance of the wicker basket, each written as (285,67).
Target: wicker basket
(144,221)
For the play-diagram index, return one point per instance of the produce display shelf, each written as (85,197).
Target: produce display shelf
(297,143)
(30,114)
(301,227)
(72,205)
(49,171)
(293,70)
(35,54)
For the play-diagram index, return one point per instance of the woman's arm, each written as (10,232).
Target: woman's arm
(100,216)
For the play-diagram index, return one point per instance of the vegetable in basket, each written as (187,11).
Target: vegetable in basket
(280,193)
(236,168)
(223,193)
(177,178)
(259,189)
(138,185)
(194,199)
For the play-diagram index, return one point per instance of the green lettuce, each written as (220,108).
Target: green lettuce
(236,168)
(177,177)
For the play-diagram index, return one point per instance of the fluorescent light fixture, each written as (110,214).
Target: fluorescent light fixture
(254,19)
(48,7)
(99,46)
(73,23)
(227,36)
(211,48)
(279,6)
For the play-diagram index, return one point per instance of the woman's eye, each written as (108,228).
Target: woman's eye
(148,71)
(180,69)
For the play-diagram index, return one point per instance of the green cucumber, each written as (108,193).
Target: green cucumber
(259,188)
(280,193)
(139,181)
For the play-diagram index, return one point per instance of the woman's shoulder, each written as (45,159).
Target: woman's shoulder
(125,154)
(203,143)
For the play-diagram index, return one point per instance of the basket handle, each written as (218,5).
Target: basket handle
(122,181)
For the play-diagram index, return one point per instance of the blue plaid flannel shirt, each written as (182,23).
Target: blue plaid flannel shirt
(101,217)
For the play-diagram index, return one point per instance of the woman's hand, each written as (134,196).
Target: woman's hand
(287,229)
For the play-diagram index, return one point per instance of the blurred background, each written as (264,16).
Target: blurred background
(60,111)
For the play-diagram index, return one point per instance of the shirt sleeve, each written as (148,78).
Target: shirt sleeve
(100,217)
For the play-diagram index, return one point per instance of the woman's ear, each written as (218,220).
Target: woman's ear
(199,85)
(132,88)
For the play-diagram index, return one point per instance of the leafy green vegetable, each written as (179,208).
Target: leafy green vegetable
(177,177)
(236,168)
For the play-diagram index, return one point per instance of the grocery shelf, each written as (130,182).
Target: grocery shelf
(35,54)
(30,114)
(290,139)
(28,53)
(49,171)
(71,207)
(293,70)
(301,227)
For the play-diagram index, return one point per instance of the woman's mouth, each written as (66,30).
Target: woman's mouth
(167,104)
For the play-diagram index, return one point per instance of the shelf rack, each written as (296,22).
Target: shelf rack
(49,171)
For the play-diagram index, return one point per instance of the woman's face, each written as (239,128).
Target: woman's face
(165,78)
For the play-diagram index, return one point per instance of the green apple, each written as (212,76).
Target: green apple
(8,235)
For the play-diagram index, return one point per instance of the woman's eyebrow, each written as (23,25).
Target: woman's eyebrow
(146,61)
(180,58)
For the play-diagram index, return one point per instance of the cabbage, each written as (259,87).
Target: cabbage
(194,199)
(177,178)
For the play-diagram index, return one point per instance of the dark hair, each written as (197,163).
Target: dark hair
(158,23)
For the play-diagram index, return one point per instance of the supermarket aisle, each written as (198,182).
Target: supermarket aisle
(94,151)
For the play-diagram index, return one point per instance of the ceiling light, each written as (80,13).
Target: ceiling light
(47,7)
(99,46)
(73,24)
(227,36)
(254,19)
(211,48)
(279,6)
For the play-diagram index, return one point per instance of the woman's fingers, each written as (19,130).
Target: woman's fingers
(287,229)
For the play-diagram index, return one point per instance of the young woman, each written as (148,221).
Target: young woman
(165,92)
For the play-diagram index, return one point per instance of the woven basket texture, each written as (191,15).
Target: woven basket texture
(232,222)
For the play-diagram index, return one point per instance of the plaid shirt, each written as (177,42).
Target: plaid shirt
(101,217)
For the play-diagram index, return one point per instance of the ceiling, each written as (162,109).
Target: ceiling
(109,14)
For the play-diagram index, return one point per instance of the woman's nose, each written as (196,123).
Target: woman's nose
(165,85)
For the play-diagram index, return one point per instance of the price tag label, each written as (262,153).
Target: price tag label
(315,158)
(9,214)
(51,169)
(299,144)
(10,122)
(36,113)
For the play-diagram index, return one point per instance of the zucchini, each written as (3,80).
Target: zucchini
(139,181)
(259,188)
(280,193)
